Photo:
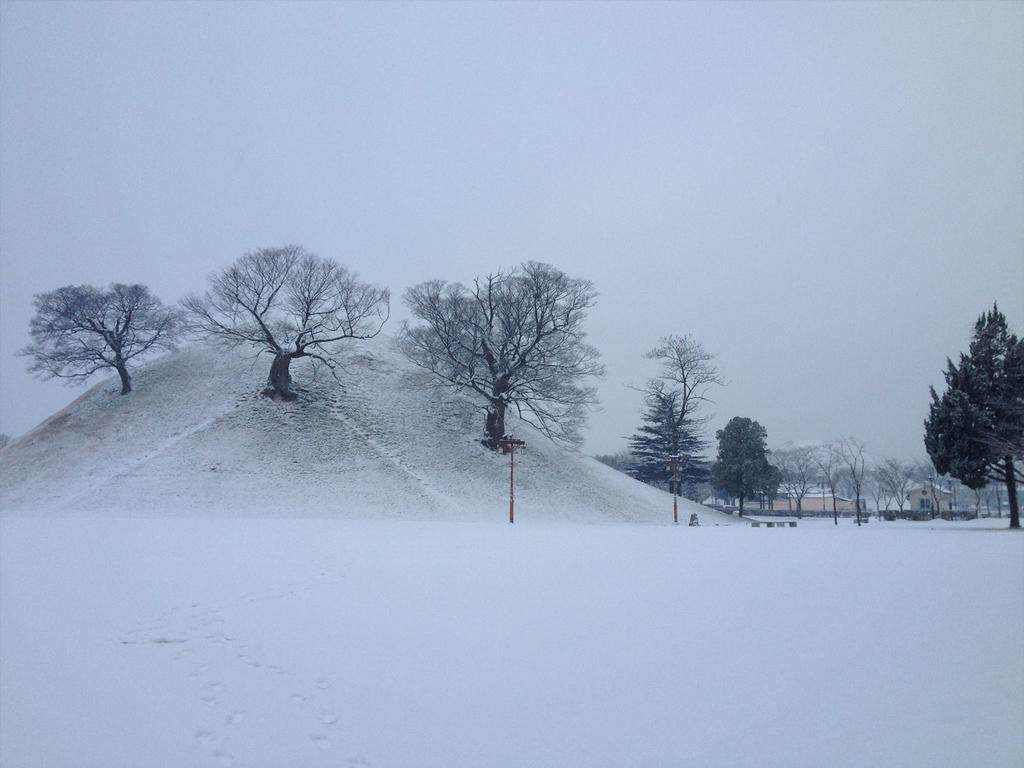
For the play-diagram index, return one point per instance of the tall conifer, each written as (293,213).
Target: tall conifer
(975,429)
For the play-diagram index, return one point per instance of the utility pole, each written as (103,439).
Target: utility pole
(508,444)
(675,463)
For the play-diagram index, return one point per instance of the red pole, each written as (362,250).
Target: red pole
(511,484)
(674,462)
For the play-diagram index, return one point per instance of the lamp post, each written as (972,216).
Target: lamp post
(508,444)
(676,462)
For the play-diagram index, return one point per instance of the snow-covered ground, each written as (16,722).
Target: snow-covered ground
(322,642)
(194,576)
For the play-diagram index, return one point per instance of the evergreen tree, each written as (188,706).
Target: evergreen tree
(667,432)
(975,429)
(742,469)
(768,485)
(671,425)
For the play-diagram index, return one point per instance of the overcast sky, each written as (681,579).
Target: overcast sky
(825,195)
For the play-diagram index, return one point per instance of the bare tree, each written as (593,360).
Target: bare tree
(829,465)
(514,339)
(898,478)
(688,369)
(931,481)
(290,304)
(79,330)
(875,481)
(797,463)
(851,455)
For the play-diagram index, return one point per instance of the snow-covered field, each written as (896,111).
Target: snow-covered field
(194,576)
(345,643)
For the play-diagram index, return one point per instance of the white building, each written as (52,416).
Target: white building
(929,499)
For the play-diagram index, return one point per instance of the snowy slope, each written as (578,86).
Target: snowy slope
(195,437)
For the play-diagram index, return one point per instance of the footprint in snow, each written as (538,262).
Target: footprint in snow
(203,737)
(195,673)
(322,742)
(224,759)
(323,685)
(235,717)
(297,698)
(213,691)
(328,718)
(257,664)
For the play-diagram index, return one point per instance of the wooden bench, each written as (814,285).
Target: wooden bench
(771,522)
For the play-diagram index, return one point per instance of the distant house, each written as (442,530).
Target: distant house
(818,502)
(814,504)
(923,499)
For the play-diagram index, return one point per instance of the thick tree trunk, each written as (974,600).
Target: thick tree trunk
(1011,492)
(835,511)
(494,425)
(126,380)
(741,506)
(279,382)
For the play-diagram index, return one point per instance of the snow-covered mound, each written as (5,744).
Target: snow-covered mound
(196,437)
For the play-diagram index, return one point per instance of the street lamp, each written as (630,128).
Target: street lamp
(676,462)
(509,444)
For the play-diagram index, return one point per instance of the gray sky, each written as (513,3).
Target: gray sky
(825,195)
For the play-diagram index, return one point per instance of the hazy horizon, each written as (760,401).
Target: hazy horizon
(825,196)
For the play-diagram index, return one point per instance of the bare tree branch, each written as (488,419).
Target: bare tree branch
(898,478)
(514,339)
(290,303)
(850,451)
(797,464)
(80,330)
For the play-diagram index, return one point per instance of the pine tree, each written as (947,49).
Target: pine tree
(975,429)
(742,469)
(668,432)
(671,425)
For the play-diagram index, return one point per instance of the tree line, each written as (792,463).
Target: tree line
(974,435)
(511,340)
(515,340)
